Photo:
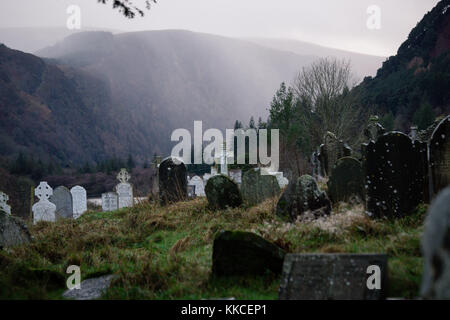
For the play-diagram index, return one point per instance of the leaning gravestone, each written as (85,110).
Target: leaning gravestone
(62,198)
(334,277)
(110,201)
(172,180)
(124,190)
(237,253)
(331,151)
(436,249)
(79,201)
(43,210)
(440,156)
(198,183)
(396,175)
(302,196)
(222,192)
(257,187)
(3,203)
(346,181)
(13,230)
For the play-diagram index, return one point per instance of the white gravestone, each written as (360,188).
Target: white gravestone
(199,186)
(124,190)
(3,203)
(44,210)
(236,175)
(110,201)
(79,201)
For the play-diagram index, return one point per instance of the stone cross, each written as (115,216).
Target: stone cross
(123,176)
(44,210)
(3,205)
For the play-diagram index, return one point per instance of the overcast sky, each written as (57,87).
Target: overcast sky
(334,23)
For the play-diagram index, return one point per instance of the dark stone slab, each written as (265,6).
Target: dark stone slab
(436,249)
(222,192)
(331,277)
(13,231)
(172,181)
(396,175)
(346,181)
(301,196)
(243,253)
(62,198)
(256,188)
(440,157)
(90,289)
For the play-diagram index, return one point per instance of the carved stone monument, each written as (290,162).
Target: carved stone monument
(44,210)
(110,201)
(124,190)
(62,198)
(79,198)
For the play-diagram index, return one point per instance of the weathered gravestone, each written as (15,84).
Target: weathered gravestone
(43,210)
(237,253)
(198,183)
(222,192)
(3,203)
(396,175)
(436,249)
(191,191)
(62,198)
(346,181)
(13,230)
(172,180)
(302,196)
(235,175)
(332,150)
(440,156)
(374,129)
(124,190)
(110,201)
(257,187)
(79,198)
(334,277)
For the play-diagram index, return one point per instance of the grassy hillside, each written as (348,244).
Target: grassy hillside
(166,253)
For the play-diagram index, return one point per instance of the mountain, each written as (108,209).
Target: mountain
(363,65)
(413,86)
(96,95)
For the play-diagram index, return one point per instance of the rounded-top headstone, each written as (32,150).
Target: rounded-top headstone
(440,156)
(62,198)
(346,181)
(257,187)
(172,180)
(79,198)
(222,192)
(396,175)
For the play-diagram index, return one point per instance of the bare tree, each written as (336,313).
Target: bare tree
(128,8)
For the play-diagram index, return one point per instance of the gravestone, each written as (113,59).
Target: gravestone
(62,198)
(222,192)
(197,182)
(374,129)
(191,191)
(206,177)
(124,190)
(396,175)
(436,249)
(90,289)
(110,201)
(332,150)
(13,230)
(172,180)
(237,253)
(303,196)
(346,181)
(257,187)
(235,175)
(21,194)
(333,277)
(79,198)
(440,157)
(44,210)
(3,203)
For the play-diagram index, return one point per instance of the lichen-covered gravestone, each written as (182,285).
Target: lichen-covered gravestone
(436,249)
(302,196)
(44,210)
(172,180)
(396,175)
(257,187)
(13,230)
(334,277)
(62,198)
(124,190)
(346,181)
(440,156)
(331,151)
(222,192)
(110,201)
(79,201)
(237,253)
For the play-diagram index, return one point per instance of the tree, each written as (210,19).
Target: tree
(127,8)
(388,121)
(130,163)
(424,116)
